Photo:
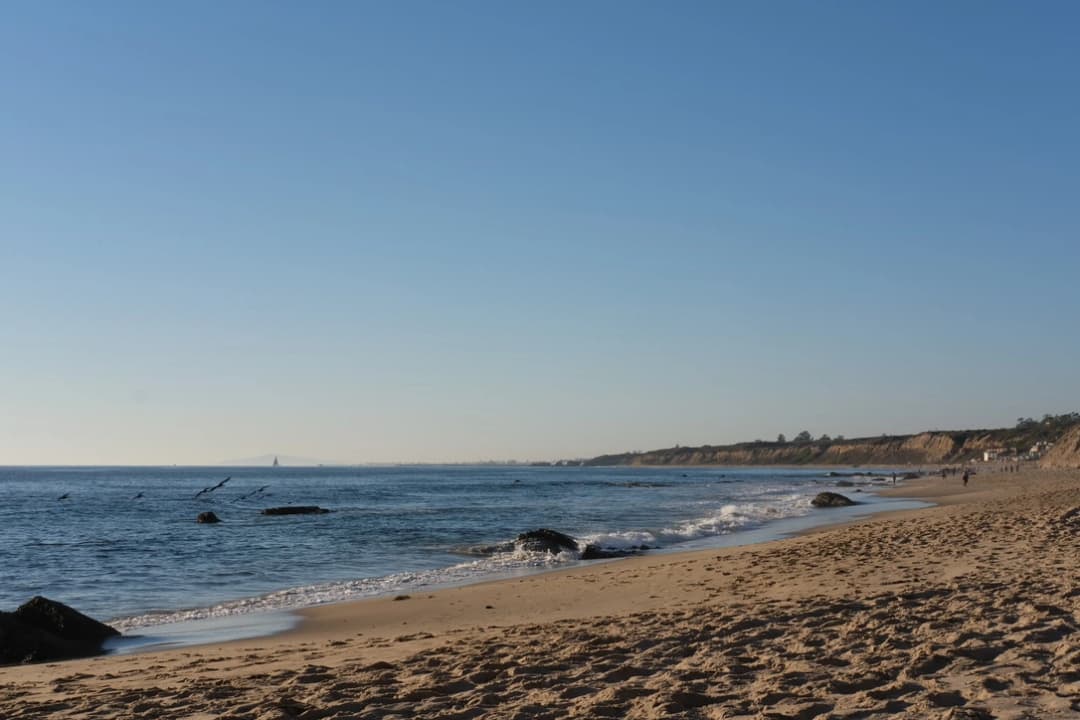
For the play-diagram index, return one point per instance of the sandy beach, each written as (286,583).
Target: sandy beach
(968,609)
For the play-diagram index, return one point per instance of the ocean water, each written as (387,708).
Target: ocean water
(121,544)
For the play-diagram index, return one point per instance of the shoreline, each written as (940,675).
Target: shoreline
(285,623)
(238,618)
(972,604)
(389,613)
(251,626)
(242,628)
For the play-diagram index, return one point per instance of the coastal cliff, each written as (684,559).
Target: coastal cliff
(1065,453)
(926,448)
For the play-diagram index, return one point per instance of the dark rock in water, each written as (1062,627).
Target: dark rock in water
(828,499)
(554,542)
(592,552)
(43,630)
(844,483)
(296,510)
(544,540)
(208,518)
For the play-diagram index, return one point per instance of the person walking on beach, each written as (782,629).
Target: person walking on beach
(966,474)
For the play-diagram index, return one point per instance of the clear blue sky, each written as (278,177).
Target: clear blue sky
(449,231)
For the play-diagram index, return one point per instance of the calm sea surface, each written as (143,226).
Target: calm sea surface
(123,545)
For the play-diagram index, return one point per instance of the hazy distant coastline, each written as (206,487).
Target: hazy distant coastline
(1054,441)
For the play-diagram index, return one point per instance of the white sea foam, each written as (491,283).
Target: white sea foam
(717,521)
(161,561)
(323,593)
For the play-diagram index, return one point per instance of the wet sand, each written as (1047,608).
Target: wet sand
(969,609)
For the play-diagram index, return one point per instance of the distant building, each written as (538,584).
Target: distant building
(993,454)
(1038,449)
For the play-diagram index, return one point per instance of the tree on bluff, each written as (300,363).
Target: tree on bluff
(804,437)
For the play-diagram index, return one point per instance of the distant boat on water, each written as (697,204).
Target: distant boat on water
(269,460)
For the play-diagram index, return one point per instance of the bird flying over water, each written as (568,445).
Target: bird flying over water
(252,493)
(212,489)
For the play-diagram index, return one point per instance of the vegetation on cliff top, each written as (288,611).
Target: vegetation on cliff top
(927,447)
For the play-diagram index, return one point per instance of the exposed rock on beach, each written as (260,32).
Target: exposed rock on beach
(43,630)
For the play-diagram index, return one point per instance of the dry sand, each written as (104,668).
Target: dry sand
(965,610)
